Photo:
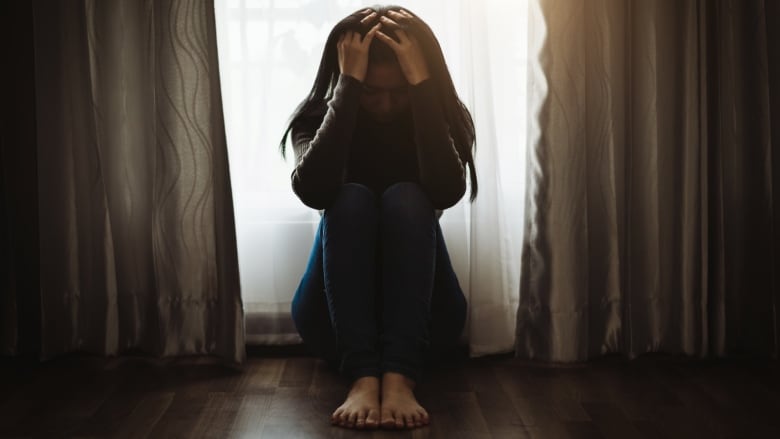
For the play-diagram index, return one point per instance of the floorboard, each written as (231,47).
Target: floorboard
(290,395)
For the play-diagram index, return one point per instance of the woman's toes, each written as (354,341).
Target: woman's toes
(409,421)
(361,420)
(352,419)
(372,420)
(424,417)
(334,418)
(399,420)
(387,419)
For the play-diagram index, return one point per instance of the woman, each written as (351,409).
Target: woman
(381,145)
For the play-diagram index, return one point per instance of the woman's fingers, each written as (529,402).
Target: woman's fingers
(371,33)
(353,50)
(403,36)
(354,38)
(387,40)
(395,15)
(348,36)
(403,18)
(407,48)
(390,22)
(407,14)
(368,18)
(400,29)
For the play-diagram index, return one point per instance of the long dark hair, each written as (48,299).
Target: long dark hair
(458,117)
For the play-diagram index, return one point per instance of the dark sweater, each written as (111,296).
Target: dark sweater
(348,146)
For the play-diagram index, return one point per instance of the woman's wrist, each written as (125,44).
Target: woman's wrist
(418,78)
(357,77)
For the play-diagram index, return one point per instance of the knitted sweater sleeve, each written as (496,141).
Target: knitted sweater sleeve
(321,153)
(442,174)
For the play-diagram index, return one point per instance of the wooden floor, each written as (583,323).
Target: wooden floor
(293,396)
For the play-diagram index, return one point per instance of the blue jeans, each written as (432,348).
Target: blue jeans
(379,293)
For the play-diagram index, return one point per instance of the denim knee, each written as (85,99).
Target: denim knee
(407,202)
(352,199)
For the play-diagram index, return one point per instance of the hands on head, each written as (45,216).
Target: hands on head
(353,50)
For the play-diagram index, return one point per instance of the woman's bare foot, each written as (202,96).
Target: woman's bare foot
(361,408)
(400,408)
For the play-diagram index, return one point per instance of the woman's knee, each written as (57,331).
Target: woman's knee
(406,201)
(354,201)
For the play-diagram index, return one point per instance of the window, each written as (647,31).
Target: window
(269,53)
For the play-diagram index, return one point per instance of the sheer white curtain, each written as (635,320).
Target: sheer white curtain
(269,52)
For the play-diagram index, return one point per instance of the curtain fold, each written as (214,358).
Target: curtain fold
(137,236)
(651,221)
(19,183)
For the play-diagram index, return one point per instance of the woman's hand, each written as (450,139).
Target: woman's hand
(408,51)
(353,53)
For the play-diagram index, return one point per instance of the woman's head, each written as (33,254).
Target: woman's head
(385,90)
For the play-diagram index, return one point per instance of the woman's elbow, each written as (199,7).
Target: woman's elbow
(316,197)
(444,197)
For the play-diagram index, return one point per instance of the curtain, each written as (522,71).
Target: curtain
(653,221)
(269,53)
(136,228)
(18,210)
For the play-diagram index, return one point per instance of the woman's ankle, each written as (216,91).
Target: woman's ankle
(365,383)
(397,380)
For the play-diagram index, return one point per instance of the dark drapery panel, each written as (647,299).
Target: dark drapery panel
(652,221)
(19,188)
(136,230)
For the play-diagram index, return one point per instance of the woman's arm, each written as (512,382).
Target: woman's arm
(442,174)
(321,156)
